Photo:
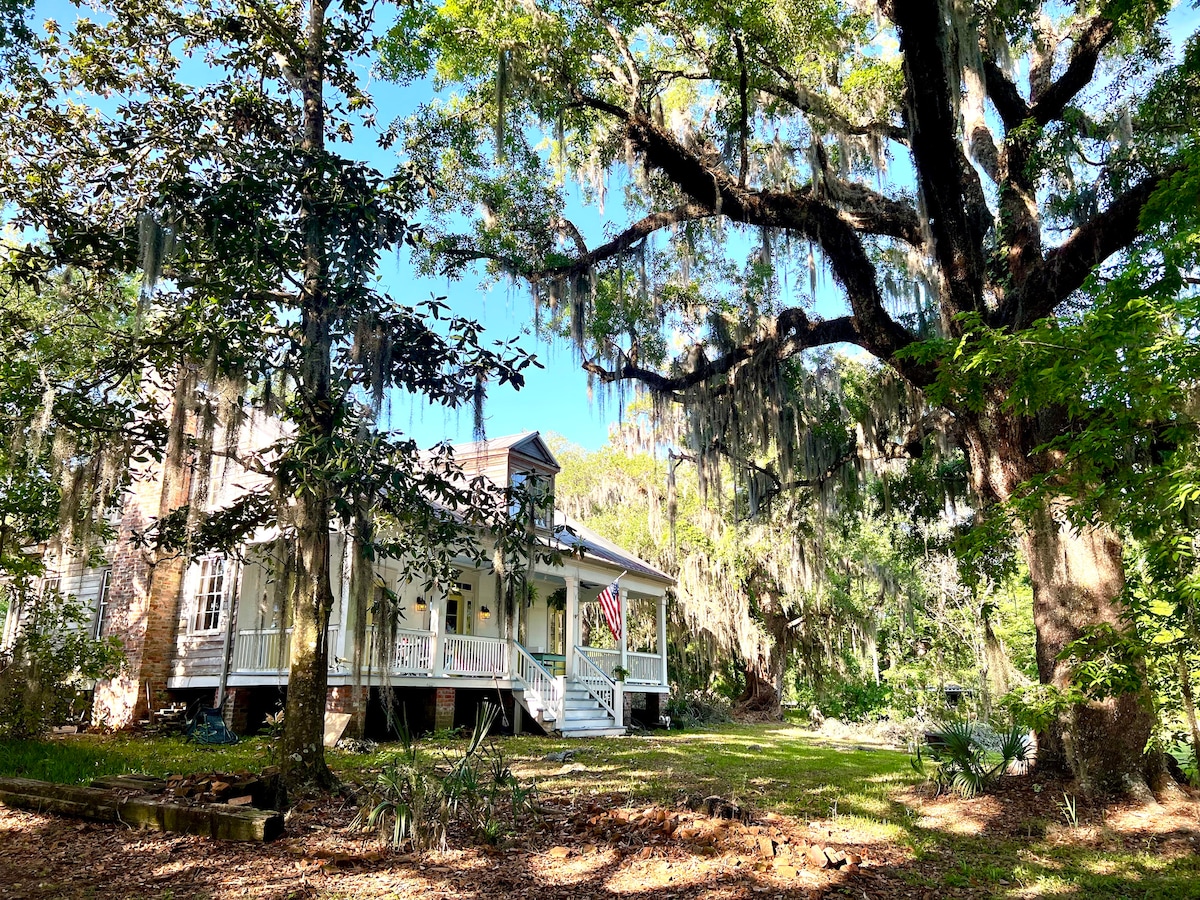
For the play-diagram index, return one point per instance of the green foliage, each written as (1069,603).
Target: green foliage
(51,664)
(959,760)
(696,709)
(1037,706)
(1106,662)
(416,803)
(856,701)
(72,408)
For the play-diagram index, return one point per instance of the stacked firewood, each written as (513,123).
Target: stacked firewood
(260,790)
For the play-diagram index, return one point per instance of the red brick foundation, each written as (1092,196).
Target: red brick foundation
(236,708)
(349,699)
(443,708)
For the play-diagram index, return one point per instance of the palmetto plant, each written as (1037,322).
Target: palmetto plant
(415,803)
(960,761)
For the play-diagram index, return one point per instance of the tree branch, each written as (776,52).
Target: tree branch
(1004,95)
(953,195)
(793,332)
(817,106)
(1066,267)
(1092,38)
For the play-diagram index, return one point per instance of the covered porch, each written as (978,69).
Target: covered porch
(555,653)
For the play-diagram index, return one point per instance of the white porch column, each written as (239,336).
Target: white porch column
(662,638)
(338,650)
(623,643)
(623,647)
(437,619)
(571,621)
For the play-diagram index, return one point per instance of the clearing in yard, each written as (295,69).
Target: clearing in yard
(620,819)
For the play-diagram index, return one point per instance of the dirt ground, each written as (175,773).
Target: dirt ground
(578,849)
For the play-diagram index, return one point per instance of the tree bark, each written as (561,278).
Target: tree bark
(1078,581)
(760,695)
(303,749)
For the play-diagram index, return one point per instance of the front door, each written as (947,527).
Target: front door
(459,609)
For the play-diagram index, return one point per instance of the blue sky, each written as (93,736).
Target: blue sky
(556,397)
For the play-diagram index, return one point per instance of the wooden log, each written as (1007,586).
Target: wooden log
(144,783)
(40,796)
(217,821)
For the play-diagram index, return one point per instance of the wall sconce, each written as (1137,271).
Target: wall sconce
(484,612)
(420,605)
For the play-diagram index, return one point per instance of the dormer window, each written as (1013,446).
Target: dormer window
(536,488)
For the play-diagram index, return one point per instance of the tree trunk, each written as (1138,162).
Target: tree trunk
(1078,579)
(760,695)
(303,749)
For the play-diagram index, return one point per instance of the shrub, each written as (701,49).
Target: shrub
(52,660)
(856,701)
(697,710)
(416,804)
(967,759)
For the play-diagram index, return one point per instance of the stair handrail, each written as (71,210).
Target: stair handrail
(537,680)
(600,686)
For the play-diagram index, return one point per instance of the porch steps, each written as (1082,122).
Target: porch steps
(583,717)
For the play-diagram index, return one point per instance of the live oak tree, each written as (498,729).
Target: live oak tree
(951,171)
(204,149)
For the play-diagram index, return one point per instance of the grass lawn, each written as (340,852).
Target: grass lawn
(1021,842)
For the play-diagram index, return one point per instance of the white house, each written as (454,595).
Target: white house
(208,631)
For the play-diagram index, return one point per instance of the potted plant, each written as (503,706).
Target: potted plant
(619,673)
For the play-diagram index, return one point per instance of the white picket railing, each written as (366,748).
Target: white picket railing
(261,650)
(588,674)
(466,655)
(605,660)
(644,668)
(269,649)
(413,652)
(543,692)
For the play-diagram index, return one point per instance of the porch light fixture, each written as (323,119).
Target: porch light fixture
(484,612)
(420,605)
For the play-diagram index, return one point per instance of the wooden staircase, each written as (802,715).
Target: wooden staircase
(583,716)
(565,706)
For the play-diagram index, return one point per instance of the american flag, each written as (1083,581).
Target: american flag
(610,603)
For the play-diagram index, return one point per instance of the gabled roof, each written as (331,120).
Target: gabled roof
(528,444)
(602,549)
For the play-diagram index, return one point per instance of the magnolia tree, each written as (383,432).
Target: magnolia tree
(949,174)
(204,150)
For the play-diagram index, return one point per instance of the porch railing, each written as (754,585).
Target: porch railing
(543,692)
(413,653)
(644,668)
(466,655)
(588,674)
(269,649)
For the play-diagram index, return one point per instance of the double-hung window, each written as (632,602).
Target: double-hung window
(210,593)
(102,603)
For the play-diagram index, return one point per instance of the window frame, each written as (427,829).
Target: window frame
(205,612)
(102,603)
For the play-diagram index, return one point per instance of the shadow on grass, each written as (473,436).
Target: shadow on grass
(1014,844)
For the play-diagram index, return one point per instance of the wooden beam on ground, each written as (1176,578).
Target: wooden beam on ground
(231,823)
